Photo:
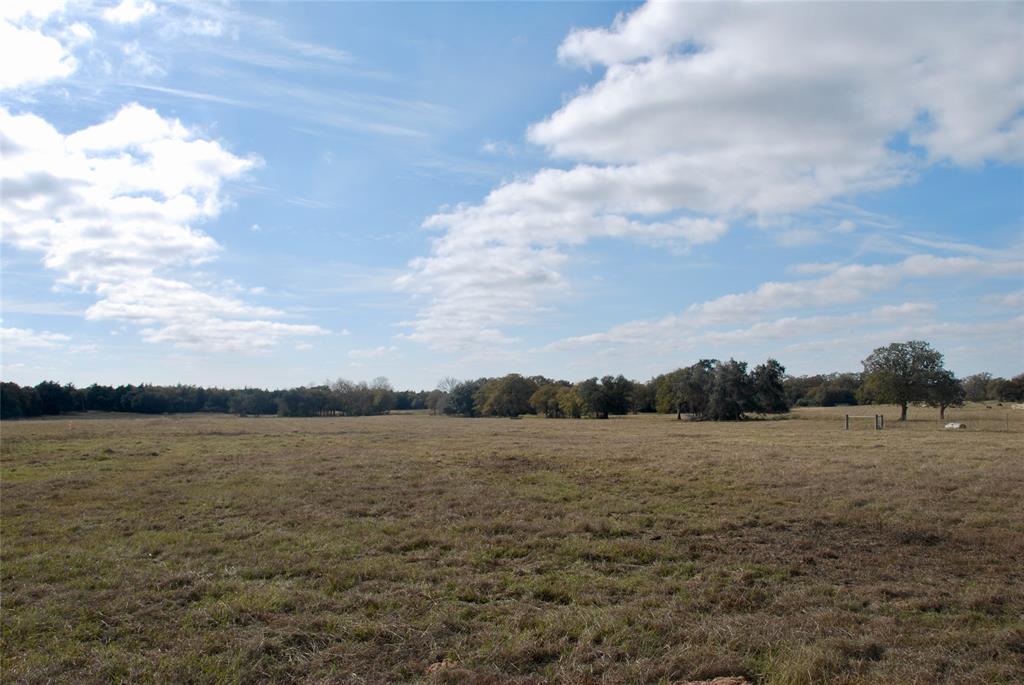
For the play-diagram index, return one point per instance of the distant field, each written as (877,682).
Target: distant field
(412,548)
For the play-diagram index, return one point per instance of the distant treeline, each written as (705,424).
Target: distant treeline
(709,389)
(837,389)
(341,397)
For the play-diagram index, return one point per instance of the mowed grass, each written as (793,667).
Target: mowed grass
(405,549)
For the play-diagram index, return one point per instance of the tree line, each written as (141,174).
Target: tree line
(341,397)
(709,389)
(900,373)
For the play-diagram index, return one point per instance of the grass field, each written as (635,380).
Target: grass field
(411,548)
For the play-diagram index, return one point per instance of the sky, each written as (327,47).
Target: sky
(277,194)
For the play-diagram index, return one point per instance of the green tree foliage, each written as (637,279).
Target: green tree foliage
(617,391)
(686,390)
(569,403)
(462,397)
(597,398)
(31,405)
(945,391)
(592,398)
(437,401)
(216,400)
(506,396)
(670,393)
(1012,390)
(822,390)
(252,402)
(976,387)
(769,393)
(55,398)
(382,397)
(312,401)
(148,400)
(545,401)
(101,398)
(405,400)
(641,397)
(339,398)
(901,373)
(699,387)
(10,401)
(732,392)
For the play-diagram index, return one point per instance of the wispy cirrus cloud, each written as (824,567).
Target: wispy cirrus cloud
(328,108)
(1013,300)
(373,352)
(851,284)
(249,40)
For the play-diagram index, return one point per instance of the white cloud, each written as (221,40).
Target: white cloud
(211,333)
(841,286)
(1013,300)
(199,26)
(373,353)
(28,56)
(78,34)
(924,266)
(804,84)
(15,339)
(907,310)
(950,246)
(129,12)
(815,267)
(497,262)
(499,147)
(153,299)
(113,207)
(804,343)
(709,114)
(845,285)
(796,237)
(139,61)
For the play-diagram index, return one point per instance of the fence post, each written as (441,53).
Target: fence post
(847,422)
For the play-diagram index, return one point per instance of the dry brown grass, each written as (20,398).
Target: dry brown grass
(429,549)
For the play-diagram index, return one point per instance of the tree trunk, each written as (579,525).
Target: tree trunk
(903,411)
(942,412)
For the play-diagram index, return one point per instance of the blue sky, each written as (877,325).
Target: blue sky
(275,194)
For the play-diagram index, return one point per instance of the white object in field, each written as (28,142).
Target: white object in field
(955,426)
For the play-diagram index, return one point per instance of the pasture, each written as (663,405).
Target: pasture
(420,549)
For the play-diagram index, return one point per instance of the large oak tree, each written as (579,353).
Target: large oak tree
(901,373)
